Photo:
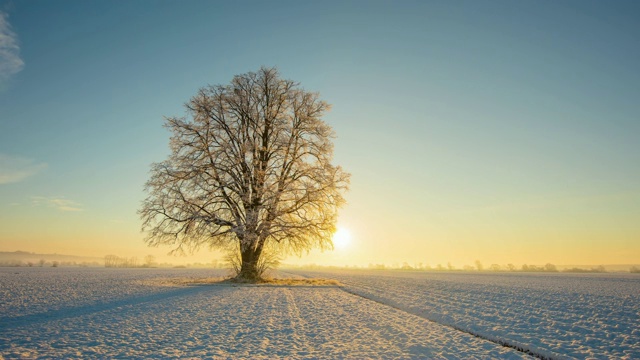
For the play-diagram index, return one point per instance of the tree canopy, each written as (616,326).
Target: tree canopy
(250,168)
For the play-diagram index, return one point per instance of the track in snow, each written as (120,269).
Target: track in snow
(223,321)
(549,315)
(500,342)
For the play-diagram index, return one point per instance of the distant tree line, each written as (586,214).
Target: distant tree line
(43,263)
(597,269)
(547,268)
(477,267)
(109,261)
(533,268)
(114,261)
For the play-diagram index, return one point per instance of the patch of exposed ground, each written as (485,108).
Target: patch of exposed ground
(222,281)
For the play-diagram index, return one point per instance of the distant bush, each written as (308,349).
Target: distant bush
(550,268)
(634,270)
(12,263)
(598,269)
(495,267)
(406,266)
(377,266)
(533,268)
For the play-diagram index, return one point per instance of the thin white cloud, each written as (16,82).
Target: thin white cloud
(57,202)
(15,168)
(10,61)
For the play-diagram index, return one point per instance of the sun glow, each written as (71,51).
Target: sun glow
(341,238)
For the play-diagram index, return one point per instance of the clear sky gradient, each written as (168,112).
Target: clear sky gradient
(503,131)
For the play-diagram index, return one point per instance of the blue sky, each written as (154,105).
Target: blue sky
(500,130)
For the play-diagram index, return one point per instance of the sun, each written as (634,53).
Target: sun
(341,238)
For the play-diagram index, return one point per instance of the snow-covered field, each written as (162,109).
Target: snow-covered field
(553,315)
(143,313)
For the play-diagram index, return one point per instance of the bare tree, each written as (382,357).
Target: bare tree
(250,166)
(550,268)
(149,260)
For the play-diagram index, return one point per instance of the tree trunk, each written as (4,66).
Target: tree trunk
(249,269)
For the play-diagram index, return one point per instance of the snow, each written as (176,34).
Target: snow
(32,291)
(161,313)
(115,313)
(552,315)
